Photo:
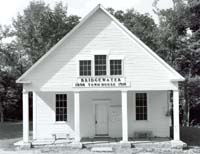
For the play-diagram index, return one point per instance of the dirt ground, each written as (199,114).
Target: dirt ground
(11,133)
(63,150)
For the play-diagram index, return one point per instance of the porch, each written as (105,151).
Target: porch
(81,127)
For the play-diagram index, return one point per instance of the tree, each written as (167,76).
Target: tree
(142,25)
(32,34)
(40,27)
(172,30)
(9,60)
(178,47)
(189,62)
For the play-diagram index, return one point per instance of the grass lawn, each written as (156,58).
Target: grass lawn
(12,132)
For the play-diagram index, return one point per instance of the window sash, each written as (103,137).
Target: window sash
(61,107)
(115,67)
(85,68)
(141,106)
(100,65)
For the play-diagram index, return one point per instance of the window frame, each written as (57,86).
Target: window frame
(121,67)
(147,106)
(79,70)
(67,108)
(107,66)
(117,57)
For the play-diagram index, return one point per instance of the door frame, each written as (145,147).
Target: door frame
(101,101)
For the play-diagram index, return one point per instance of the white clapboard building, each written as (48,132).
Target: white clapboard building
(100,80)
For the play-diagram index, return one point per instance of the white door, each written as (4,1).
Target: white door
(101,119)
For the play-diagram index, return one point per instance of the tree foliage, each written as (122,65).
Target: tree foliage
(180,48)
(40,27)
(31,35)
(142,25)
(10,92)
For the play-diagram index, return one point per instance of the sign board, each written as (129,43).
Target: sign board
(87,82)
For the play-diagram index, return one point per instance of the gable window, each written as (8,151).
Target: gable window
(100,65)
(85,67)
(141,106)
(115,67)
(61,107)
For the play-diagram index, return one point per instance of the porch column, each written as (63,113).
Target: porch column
(77,115)
(176,114)
(124,116)
(25,117)
(34,116)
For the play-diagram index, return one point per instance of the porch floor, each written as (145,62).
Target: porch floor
(107,142)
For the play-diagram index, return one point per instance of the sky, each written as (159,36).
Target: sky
(10,8)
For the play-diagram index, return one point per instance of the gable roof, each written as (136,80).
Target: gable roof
(130,34)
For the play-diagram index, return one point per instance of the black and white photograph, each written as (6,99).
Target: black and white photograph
(100,77)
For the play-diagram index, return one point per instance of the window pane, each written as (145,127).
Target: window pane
(137,110)
(61,117)
(57,97)
(65,97)
(65,117)
(57,110)
(61,97)
(57,117)
(145,116)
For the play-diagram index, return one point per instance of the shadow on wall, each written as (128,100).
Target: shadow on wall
(65,53)
(11,130)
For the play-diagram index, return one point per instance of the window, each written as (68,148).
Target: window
(100,65)
(115,67)
(85,67)
(141,106)
(61,107)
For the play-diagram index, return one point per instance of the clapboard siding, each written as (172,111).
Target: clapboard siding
(157,108)
(46,124)
(59,70)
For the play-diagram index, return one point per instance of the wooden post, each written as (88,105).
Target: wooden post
(124,116)
(34,116)
(77,116)
(25,117)
(176,115)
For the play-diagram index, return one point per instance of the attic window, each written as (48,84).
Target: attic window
(115,67)
(100,65)
(85,67)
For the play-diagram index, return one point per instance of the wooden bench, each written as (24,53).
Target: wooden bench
(61,136)
(143,134)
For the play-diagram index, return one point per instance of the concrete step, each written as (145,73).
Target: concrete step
(113,145)
(102,149)
(161,145)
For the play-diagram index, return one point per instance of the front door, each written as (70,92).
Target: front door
(101,119)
